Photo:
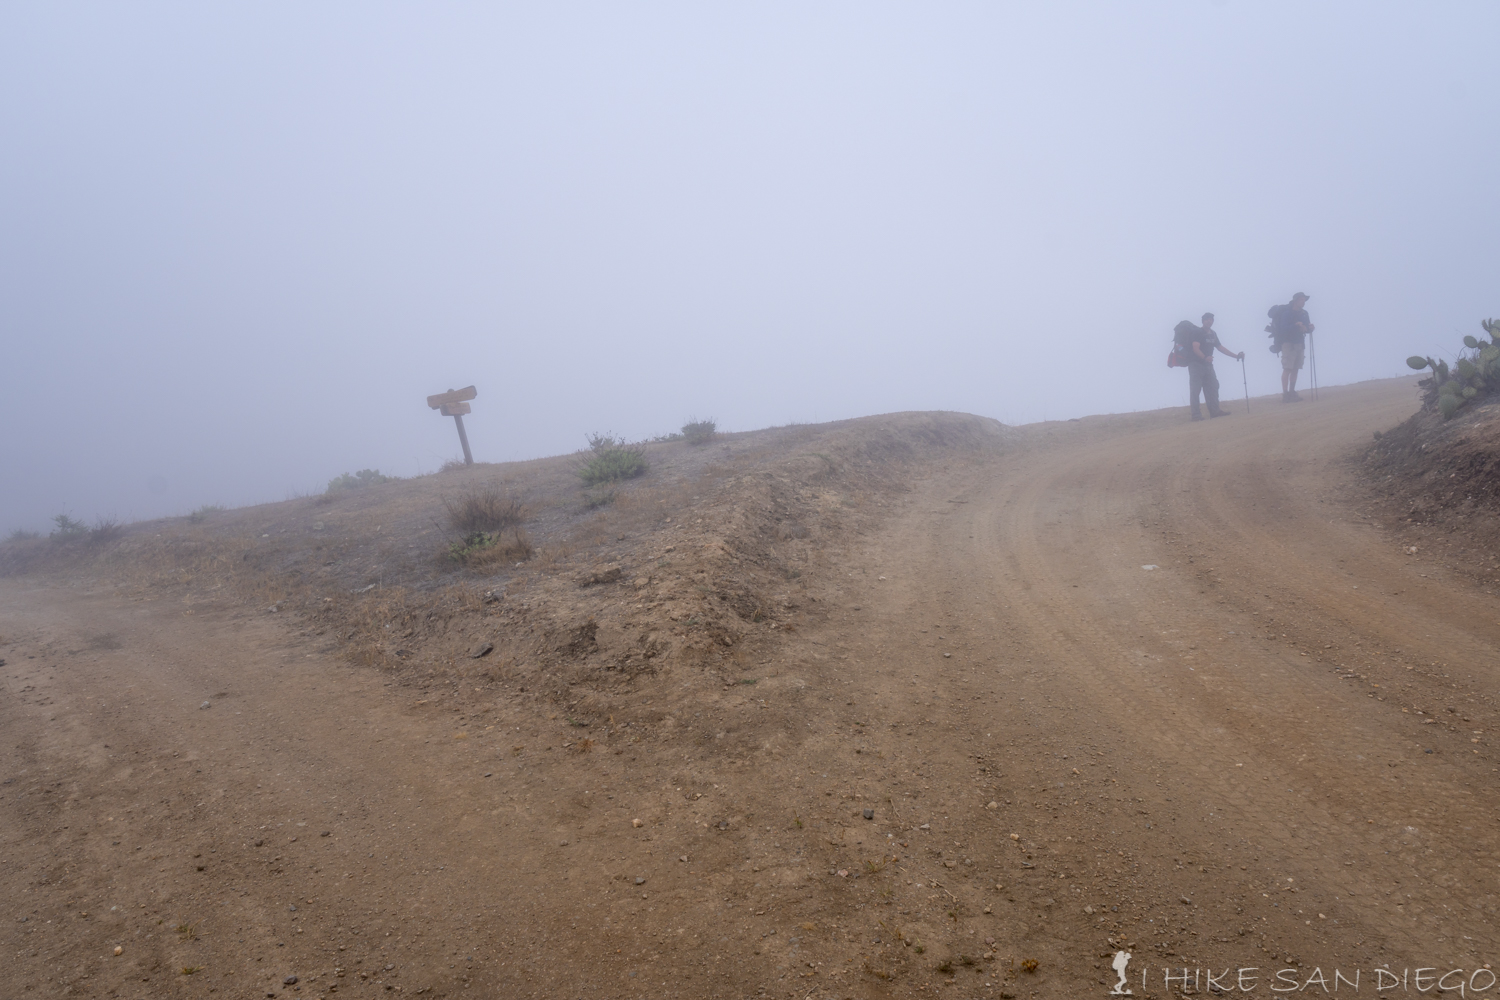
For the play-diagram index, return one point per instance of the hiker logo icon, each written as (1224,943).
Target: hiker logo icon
(1122,959)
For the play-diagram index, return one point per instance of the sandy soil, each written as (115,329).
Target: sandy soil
(1138,685)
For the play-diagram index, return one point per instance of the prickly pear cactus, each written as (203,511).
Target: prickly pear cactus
(1472,376)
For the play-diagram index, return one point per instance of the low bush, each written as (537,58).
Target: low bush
(361,479)
(483,508)
(106,529)
(23,535)
(610,460)
(482,548)
(614,465)
(67,528)
(1473,376)
(697,431)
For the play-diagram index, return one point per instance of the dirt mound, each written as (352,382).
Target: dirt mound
(709,551)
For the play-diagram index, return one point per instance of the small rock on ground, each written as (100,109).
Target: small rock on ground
(600,574)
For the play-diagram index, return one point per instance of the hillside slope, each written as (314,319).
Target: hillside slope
(928,701)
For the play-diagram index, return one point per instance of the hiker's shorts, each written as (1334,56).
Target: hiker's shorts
(1291,355)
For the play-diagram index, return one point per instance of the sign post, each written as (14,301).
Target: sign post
(455,403)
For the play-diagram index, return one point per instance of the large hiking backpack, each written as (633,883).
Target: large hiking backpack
(1182,337)
(1276,329)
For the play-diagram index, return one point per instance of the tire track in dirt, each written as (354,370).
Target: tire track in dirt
(1314,777)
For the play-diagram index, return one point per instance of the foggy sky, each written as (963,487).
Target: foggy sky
(239,244)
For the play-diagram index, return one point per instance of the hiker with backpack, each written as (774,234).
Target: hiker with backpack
(1194,347)
(1289,329)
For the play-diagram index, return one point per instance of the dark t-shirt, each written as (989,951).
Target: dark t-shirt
(1207,341)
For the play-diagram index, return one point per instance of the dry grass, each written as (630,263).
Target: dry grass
(489,520)
(484,509)
(555,557)
(490,548)
(22,553)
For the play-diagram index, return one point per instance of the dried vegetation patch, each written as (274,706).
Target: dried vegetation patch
(484,507)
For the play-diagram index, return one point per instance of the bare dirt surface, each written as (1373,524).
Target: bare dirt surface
(1119,684)
(1436,485)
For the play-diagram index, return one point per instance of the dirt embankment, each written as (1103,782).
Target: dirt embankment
(712,547)
(689,572)
(1436,484)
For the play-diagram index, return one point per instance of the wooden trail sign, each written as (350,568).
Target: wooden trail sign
(452,396)
(455,403)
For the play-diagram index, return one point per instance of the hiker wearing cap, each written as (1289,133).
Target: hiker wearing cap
(1200,366)
(1289,329)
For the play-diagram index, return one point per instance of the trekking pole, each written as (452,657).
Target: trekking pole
(1247,384)
(1312,357)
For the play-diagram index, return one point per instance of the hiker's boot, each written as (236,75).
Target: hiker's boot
(1286,396)
(1197,416)
(1219,413)
(1295,398)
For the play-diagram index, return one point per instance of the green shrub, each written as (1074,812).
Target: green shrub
(613,465)
(23,535)
(1472,376)
(361,479)
(611,460)
(68,528)
(699,431)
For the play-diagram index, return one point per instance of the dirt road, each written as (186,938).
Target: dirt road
(1141,686)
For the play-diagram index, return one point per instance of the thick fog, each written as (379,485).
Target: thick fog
(240,244)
